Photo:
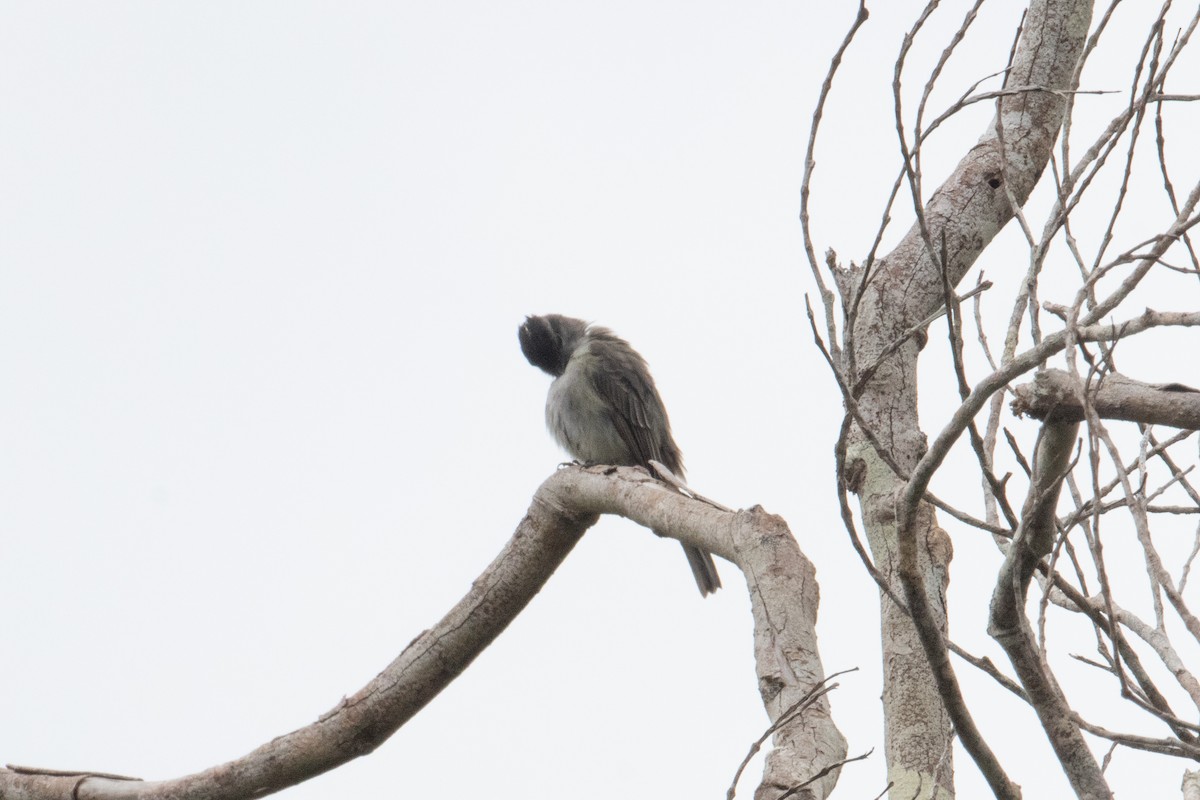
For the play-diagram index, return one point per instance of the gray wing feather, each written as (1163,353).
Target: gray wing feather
(635,408)
(637,413)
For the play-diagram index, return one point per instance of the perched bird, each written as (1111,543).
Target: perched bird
(603,407)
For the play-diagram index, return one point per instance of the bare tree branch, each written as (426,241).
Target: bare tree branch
(1010,627)
(810,165)
(784,597)
(1055,393)
(964,216)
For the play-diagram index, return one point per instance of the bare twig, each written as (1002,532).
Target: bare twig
(810,165)
(790,715)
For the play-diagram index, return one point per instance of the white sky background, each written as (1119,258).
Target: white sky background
(264,417)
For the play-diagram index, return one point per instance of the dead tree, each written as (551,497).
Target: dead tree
(876,320)
(875,327)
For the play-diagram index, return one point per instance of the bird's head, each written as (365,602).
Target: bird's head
(549,341)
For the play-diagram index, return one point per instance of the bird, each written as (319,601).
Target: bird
(603,406)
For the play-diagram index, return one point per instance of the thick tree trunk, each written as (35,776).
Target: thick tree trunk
(905,287)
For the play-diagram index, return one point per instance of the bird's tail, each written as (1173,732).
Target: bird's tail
(703,568)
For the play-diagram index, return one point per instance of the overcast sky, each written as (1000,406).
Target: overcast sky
(263,415)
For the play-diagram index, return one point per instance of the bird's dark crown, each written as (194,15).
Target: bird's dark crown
(549,341)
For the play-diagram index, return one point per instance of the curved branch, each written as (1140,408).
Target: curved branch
(781,581)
